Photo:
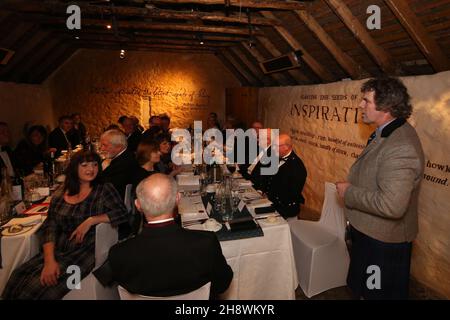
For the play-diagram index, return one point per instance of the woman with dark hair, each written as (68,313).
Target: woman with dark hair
(32,150)
(166,165)
(68,233)
(148,156)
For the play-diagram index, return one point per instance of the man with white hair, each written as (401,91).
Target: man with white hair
(119,166)
(165,259)
(285,188)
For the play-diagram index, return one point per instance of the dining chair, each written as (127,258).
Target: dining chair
(320,251)
(201,293)
(91,289)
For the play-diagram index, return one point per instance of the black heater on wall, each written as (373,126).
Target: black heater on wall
(284,62)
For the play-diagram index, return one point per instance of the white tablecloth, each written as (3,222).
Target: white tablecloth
(15,251)
(264,267)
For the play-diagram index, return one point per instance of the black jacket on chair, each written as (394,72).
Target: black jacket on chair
(122,171)
(166,260)
(285,188)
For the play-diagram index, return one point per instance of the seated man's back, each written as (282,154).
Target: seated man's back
(165,259)
(168,260)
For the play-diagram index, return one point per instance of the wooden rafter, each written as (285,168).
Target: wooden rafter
(235,71)
(252,79)
(142,25)
(249,64)
(355,70)
(55,64)
(256,4)
(55,7)
(315,66)
(417,31)
(383,59)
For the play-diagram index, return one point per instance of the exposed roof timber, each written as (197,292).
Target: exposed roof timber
(10,40)
(234,70)
(417,31)
(123,45)
(141,25)
(297,75)
(161,48)
(249,64)
(383,59)
(24,52)
(56,7)
(259,58)
(252,79)
(40,56)
(354,69)
(315,66)
(256,4)
(55,64)
(143,43)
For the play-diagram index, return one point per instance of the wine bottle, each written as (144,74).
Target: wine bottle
(17,188)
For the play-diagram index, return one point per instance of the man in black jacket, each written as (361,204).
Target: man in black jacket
(62,138)
(119,166)
(165,259)
(285,188)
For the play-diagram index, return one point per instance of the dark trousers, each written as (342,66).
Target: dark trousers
(393,260)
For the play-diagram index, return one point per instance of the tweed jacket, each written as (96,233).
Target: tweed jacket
(385,180)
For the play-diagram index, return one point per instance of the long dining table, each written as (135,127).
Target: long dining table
(263,266)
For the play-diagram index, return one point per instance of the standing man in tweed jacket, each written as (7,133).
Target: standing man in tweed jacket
(381,194)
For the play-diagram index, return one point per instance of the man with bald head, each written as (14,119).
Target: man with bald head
(165,259)
(285,188)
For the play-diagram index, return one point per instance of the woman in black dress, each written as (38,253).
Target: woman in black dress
(68,233)
(148,156)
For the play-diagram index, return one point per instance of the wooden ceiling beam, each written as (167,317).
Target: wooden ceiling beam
(259,58)
(141,25)
(256,4)
(113,46)
(252,79)
(56,7)
(102,44)
(27,50)
(419,34)
(347,63)
(55,64)
(381,56)
(315,66)
(254,69)
(235,71)
(39,56)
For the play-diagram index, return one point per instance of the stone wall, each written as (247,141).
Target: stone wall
(103,87)
(21,104)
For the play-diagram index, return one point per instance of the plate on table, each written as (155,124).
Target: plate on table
(212,225)
(14,230)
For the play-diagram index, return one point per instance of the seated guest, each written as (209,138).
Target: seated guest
(249,158)
(79,129)
(60,138)
(157,272)
(155,129)
(212,121)
(121,120)
(166,165)
(137,124)
(148,156)
(165,123)
(285,188)
(32,150)
(6,155)
(119,166)
(68,233)
(132,133)
(262,160)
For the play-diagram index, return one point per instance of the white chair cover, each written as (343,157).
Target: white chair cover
(320,251)
(105,237)
(127,199)
(201,293)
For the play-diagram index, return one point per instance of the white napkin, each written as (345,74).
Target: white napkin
(258,203)
(188,180)
(31,220)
